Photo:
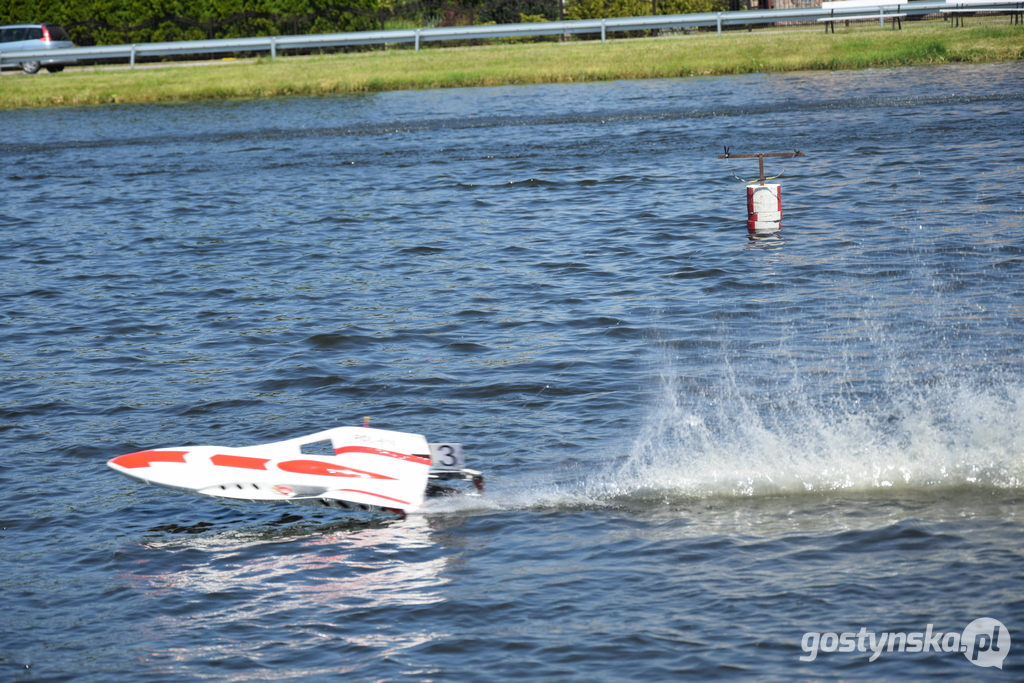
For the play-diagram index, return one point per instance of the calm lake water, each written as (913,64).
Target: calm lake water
(708,456)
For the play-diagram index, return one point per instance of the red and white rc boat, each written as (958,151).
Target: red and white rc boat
(346,468)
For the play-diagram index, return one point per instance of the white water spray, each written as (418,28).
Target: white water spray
(734,439)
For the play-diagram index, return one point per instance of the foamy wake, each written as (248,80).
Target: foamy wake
(735,442)
(945,435)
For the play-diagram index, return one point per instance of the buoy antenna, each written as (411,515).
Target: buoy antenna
(760,162)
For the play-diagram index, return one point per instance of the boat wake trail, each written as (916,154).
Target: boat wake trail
(734,442)
(738,439)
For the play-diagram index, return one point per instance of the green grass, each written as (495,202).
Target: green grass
(703,54)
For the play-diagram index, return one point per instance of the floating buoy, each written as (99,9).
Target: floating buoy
(764,208)
(764,200)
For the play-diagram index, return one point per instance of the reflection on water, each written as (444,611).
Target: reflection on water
(766,239)
(233,560)
(246,583)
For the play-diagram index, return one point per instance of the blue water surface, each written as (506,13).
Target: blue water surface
(700,445)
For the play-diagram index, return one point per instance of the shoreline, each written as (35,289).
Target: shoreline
(519,63)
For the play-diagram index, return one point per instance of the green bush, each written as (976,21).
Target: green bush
(105,22)
(691,6)
(604,9)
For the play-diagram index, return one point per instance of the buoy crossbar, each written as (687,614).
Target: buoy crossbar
(760,159)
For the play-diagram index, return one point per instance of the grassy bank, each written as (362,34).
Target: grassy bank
(551,62)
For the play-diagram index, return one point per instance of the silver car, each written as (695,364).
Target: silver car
(36,37)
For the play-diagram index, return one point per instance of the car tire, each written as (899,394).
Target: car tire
(55,68)
(30,67)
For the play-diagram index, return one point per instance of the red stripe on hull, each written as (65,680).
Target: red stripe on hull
(379,451)
(133,461)
(241,461)
(318,467)
(375,495)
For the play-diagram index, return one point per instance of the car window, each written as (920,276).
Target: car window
(14,34)
(57,32)
(33,34)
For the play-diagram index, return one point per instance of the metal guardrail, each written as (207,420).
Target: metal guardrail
(418,36)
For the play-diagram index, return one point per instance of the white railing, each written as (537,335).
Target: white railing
(418,36)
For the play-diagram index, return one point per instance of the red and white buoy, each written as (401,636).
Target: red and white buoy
(764,208)
(764,200)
